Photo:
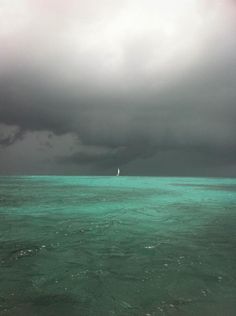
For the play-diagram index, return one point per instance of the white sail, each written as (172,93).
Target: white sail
(118,172)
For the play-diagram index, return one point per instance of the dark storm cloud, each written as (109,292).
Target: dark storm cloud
(143,101)
(197,113)
(29,103)
(109,157)
(11,138)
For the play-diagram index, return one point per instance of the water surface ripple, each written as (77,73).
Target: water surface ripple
(117,246)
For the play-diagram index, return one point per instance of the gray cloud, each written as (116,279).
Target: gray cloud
(9,136)
(141,94)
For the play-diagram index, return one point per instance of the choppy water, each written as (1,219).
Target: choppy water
(117,246)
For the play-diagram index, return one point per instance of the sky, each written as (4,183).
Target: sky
(90,86)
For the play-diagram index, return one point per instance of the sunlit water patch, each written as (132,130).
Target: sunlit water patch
(117,246)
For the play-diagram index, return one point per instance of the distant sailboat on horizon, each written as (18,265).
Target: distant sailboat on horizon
(118,172)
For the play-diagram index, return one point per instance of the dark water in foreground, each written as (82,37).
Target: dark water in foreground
(117,246)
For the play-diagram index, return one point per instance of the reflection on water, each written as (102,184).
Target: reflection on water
(117,246)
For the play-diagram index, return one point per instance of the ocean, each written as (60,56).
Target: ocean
(106,246)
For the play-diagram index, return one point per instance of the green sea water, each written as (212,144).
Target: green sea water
(106,246)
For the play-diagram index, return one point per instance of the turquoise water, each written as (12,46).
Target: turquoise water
(117,246)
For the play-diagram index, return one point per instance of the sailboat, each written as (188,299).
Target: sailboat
(118,172)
